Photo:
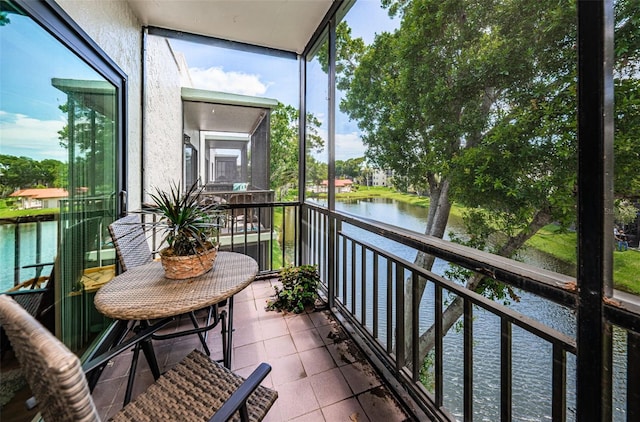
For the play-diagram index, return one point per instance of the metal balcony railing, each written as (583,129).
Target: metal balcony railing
(377,295)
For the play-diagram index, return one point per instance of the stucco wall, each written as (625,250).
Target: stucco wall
(163,116)
(115,28)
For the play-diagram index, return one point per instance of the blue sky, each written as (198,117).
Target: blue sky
(29,115)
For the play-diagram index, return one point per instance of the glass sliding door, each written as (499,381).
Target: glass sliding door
(59,126)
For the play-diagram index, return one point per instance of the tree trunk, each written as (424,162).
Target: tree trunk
(439,208)
(453,312)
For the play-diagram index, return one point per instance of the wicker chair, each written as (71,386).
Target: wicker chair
(196,389)
(130,241)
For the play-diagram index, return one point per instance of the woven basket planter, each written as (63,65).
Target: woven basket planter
(183,267)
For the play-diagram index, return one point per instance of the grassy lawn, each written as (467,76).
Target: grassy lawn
(11,213)
(626,267)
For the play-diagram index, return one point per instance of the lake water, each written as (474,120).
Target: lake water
(49,230)
(531,356)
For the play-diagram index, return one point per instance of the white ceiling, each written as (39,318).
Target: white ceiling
(227,118)
(282,24)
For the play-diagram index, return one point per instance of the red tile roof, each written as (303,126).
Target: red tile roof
(339,183)
(41,193)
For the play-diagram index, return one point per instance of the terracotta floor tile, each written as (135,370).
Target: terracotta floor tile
(315,416)
(273,328)
(380,405)
(275,413)
(263,313)
(279,346)
(286,369)
(296,398)
(316,361)
(360,376)
(116,368)
(105,392)
(330,387)
(244,313)
(248,355)
(320,319)
(262,291)
(244,295)
(306,340)
(331,334)
(300,322)
(344,353)
(247,334)
(346,410)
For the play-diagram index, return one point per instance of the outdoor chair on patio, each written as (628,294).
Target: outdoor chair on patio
(132,249)
(195,389)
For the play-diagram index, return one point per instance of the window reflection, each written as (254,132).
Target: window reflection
(58,173)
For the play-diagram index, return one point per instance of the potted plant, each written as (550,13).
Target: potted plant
(299,289)
(189,230)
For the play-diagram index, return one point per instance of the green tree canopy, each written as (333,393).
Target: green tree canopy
(350,168)
(284,146)
(476,102)
(25,172)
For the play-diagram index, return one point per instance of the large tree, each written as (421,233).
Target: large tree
(476,102)
(627,99)
(25,172)
(284,146)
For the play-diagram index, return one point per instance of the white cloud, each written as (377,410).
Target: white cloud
(216,79)
(22,135)
(349,145)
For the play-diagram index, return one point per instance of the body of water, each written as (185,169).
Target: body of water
(28,254)
(531,356)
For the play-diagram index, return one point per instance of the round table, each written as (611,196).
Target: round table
(144,293)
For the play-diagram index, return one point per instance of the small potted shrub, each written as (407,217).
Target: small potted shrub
(189,229)
(299,289)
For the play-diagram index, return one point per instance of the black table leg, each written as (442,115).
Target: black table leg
(150,355)
(132,374)
(229,346)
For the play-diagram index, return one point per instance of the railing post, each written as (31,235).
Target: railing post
(633,376)
(595,201)
(332,238)
(505,370)
(16,255)
(468,361)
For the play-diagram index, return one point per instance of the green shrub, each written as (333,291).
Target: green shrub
(299,289)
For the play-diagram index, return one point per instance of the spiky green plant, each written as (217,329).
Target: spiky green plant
(188,225)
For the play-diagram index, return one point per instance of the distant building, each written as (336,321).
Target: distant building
(381,177)
(40,198)
(342,185)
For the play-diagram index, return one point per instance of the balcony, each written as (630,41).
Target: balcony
(389,310)
(355,343)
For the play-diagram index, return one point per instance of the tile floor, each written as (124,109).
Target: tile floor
(320,374)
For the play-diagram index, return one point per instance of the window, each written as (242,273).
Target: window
(62,129)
